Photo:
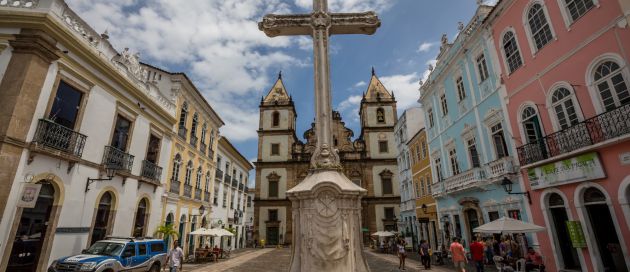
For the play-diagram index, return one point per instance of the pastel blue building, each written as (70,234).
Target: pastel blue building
(469,139)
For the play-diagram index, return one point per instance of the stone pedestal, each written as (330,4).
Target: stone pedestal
(327,224)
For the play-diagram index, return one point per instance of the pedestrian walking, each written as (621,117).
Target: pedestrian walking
(476,250)
(425,254)
(459,255)
(489,249)
(401,254)
(175,258)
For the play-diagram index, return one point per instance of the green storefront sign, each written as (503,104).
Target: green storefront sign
(576,234)
(580,168)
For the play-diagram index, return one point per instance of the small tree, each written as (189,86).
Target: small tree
(166,232)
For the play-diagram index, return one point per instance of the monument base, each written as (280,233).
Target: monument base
(327,224)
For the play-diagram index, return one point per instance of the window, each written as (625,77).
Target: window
(493,216)
(428,184)
(225,196)
(611,85)
(204,130)
(386,182)
(422,191)
(189,169)
(443,104)
(273,216)
(275,119)
(103,218)
(562,104)
(531,124)
(121,133)
(380,115)
(249,201)
(153,150)
(198,181)
(500,146)
(577,8)
(430,114)
(418,154)
(418,185)
(514,214)
(66,104)
(512,54)
(482,67)
(438,168)
(472,152)
(382,147)
(461,91)
(424,149)
(273,188)
(389,214)
(452,155)
(232,201)
(139,228)
(157,247)
(130,251)
(275,149)
(539,26)
(142,249)
(182,119)
(193,128)
(215,199)
(177,164)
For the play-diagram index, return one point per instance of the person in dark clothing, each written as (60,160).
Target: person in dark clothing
(425,254)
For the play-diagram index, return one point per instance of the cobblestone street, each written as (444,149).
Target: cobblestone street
(271,260)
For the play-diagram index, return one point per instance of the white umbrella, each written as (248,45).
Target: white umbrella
(508,225)
(223,232)
(383,234)
(200,231)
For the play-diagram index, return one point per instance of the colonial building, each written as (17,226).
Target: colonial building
(192,159)
(84,137)
(425,206)
(469,139)
(409,123)
(283,161)
(249,217)
(565,69)
(230,194)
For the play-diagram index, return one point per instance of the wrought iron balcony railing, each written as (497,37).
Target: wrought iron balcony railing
(241,186)
(202,147)
(151,171)
(227,179)
(117,159)
(193,140)
(218,174)
(234,183)
(175,186)
(182,132)
(198,193)
(55,136)
(606,126)
(187,190)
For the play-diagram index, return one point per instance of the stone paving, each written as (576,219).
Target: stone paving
(272,260)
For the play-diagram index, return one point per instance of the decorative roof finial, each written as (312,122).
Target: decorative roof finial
(105,35)
(430,67)
(460,26)
(280,75)
(373,72)
(479,2)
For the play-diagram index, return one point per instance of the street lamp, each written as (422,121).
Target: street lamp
(109,171)
(507,186)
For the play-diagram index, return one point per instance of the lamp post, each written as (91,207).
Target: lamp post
(507,186)
(109,172)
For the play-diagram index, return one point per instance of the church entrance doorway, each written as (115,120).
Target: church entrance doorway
(604,230)
(272,236)
(32,232)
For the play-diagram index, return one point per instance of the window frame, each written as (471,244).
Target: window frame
(454,162)
(381,144)
(132,122)
(482,75)
(521,126)
(503,53)
(443,104)
(566,14)
(590,77)
(528,31)
(76,85)
(461,88)
(551,106)
(274,147)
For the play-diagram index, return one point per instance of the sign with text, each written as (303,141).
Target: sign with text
(29,195)
(576,234)
(583,167)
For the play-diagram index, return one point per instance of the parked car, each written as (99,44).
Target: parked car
(116,254)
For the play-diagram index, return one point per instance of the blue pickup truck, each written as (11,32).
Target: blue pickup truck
(116,254)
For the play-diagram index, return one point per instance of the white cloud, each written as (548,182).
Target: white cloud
(405,87)
(360,84)
(426,46)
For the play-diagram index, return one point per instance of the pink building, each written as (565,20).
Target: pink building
(565,69)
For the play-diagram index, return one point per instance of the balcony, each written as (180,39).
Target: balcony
(175,187)
(241,187)
(198,194)
(117,159)
(193,140)
(210,152)
(606,126)
(151,171)
(187,190)
(206,196)
(202,147)
(218,175)
(462,181)
(57,137)
(235,183)
(182,132)
(498,168)
(227,178)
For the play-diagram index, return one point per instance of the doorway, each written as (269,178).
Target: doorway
(559,217)
(473,222)
(604,230)
(32,232)
(103,219)
(272,236)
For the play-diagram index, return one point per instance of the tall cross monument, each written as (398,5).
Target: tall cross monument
(326,204)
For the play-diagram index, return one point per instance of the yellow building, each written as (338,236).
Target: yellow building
(426,208)
(190,175)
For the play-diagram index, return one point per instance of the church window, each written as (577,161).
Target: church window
(472,152)
(511,51)
(461,91)
(577,8)
(273,188)
(389,214)
(272,216)
(386,182)
(275,149)
(539,26)
(382,147)
(452,155)
(430,114)
(380,115)
(275,119)
(612,85)
(482,67)
(443,104)
(500,146)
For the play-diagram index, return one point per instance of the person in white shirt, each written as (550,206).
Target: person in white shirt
(175,258)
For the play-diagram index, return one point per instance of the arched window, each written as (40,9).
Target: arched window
(556,201)
(531,124)
(199,175)
(189,169)
(380,115)
(275,119)
(562,104)
(139,226)
(193,128)
(577,8)
(611,85)
(177,164)
(539,26)
(103,217)
(183,116)
(208,179)
(204,129)
(511,51)
(594,196)
(182,228)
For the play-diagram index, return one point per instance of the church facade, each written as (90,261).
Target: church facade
(283,161)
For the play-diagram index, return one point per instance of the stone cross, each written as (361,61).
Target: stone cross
(321,24)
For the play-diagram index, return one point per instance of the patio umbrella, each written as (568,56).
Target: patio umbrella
(508,225)
(383,234)
(223,232)
(200,231)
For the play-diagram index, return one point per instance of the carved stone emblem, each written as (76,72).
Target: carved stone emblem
(326,204)
(320,19)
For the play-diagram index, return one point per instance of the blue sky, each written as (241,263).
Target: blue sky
(217,43)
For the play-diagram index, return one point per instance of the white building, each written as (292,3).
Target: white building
(249,217)
(409,123)
(74,109)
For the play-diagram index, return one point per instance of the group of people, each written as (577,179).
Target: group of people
(483,250)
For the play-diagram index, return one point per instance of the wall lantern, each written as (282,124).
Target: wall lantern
(507,186)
